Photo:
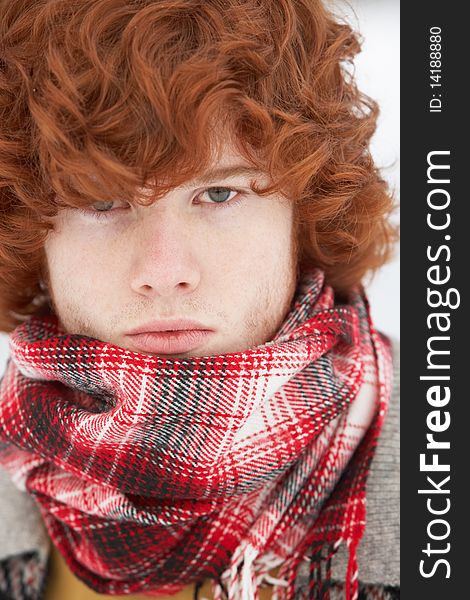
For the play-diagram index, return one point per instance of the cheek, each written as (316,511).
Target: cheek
(74,264)
(267,243)
(260,234)
(255,261)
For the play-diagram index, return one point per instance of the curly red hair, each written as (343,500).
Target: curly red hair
(98,98)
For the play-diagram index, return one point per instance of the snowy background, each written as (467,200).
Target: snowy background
(378,75)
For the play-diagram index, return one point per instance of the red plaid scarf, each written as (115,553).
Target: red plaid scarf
(152,474)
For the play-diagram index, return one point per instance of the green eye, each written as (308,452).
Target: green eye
(219,194)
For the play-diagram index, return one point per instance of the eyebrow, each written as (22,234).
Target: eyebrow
(223,172)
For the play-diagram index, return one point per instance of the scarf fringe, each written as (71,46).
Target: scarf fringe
(244,577)
(352,580)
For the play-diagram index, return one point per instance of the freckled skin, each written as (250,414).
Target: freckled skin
(229,266)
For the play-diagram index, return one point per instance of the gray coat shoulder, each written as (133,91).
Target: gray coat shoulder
(378,554)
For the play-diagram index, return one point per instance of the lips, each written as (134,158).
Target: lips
(173,336)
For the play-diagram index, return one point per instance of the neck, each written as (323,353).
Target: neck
(63,583)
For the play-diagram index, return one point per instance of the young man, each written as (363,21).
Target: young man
(197,401)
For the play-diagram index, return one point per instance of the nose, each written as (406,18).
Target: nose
(165,255)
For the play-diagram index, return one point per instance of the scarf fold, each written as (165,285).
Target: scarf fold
(152,474)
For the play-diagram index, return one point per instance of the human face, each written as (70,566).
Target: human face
(223,259)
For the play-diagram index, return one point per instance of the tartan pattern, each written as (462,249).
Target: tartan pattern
(152,473)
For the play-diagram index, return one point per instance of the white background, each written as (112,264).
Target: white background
(377,70)
(378,75)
